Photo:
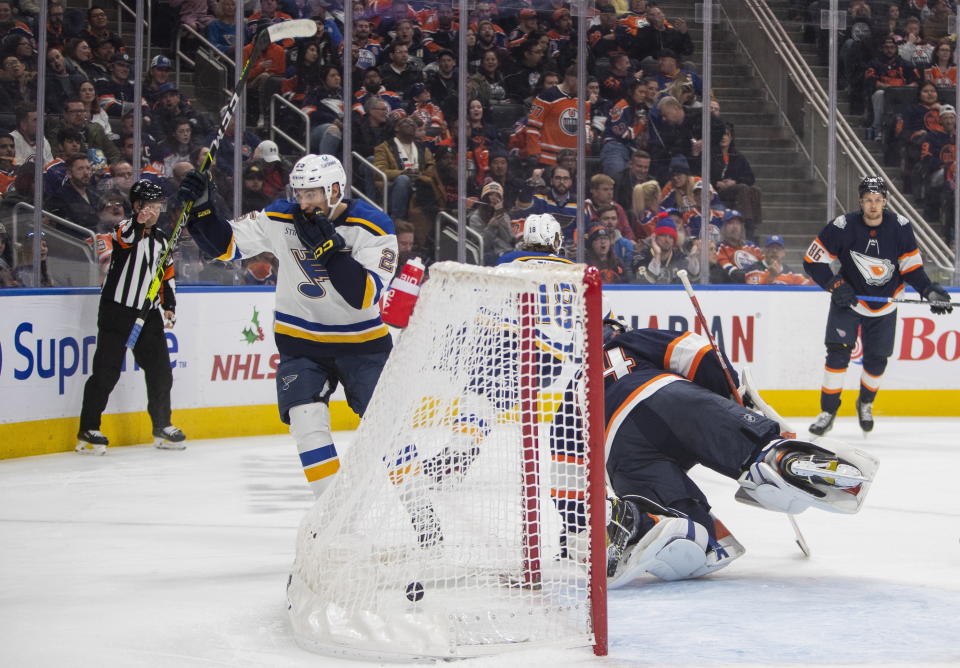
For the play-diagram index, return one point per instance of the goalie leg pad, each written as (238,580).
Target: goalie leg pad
(310,426)
(764,484)
(722,551)
(674,549)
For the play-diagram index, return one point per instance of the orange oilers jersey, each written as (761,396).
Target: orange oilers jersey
(552,125)
(730,257)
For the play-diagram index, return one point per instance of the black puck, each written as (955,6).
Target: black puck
(414,591)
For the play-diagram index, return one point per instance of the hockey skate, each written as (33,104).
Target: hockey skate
(822,424)
(169,438)
(92,442)
(865,416)
(790,476)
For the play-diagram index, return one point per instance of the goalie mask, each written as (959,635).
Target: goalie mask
(320,171)
(542,230)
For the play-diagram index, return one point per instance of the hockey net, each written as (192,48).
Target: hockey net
(468,515)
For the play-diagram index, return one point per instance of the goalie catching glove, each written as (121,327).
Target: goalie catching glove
(318,235)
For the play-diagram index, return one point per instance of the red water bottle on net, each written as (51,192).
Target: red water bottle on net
(400,299)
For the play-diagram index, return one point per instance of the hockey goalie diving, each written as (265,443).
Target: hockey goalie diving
(466,520)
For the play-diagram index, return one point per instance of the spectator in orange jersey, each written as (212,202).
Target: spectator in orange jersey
(773,270)
(552,123)
(735,254)
(8,170)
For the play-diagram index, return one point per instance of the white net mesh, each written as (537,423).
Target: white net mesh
(457,524)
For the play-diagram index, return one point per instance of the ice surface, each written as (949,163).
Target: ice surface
(158,558)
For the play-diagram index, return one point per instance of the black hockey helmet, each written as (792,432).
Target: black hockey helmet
(872,184)
(146,191)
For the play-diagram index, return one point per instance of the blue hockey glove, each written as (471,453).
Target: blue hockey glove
(318,235)
(842,294)
(936,293)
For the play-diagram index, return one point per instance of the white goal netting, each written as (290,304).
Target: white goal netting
(459,523)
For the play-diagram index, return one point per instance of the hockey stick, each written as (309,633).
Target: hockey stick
(278,31)
(682,275)
(903,300)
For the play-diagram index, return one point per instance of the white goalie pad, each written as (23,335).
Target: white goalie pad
(674,549)
(764,485)
(748,390)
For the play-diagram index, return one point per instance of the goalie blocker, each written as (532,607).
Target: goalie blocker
(669,407)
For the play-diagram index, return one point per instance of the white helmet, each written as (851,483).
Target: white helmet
(542,229)
(320,171)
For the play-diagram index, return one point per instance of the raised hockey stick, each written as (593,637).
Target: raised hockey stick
(903,300)
(293,29)
(682,275)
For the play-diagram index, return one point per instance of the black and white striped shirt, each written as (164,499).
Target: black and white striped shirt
(136,252)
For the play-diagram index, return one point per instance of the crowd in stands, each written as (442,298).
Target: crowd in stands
(897,68)
(644,137)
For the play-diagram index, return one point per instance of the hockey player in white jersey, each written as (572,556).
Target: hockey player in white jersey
(336,255)
(542,239)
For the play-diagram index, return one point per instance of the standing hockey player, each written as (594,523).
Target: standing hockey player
(138,245)
(542,239)
(335,257)
(668,407)
(877,254)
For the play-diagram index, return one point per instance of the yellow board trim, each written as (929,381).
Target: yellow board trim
(45,437)
(899,403)
(324,470)
(366,223)
(286,330)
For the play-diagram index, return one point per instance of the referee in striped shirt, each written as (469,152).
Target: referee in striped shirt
(138,245)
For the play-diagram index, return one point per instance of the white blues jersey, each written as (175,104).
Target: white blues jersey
(312,318)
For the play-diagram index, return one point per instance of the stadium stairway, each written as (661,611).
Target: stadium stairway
(792,201)
(818,64)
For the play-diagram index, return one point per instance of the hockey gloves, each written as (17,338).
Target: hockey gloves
(195,187)
(939,299)
(842,294)
(318,235)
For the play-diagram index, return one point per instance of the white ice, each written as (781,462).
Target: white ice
(158,558)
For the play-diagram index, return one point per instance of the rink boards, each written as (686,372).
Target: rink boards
(224,359)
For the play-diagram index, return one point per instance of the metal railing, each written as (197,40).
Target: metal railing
(379,174)
(85,270)
(472,242)
(179,54)
(802,104)
(275,130)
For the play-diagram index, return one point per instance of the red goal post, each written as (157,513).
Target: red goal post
(468,517)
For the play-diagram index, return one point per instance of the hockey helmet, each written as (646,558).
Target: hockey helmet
(872,184)
(146,191)
(320,171)
(542,229)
